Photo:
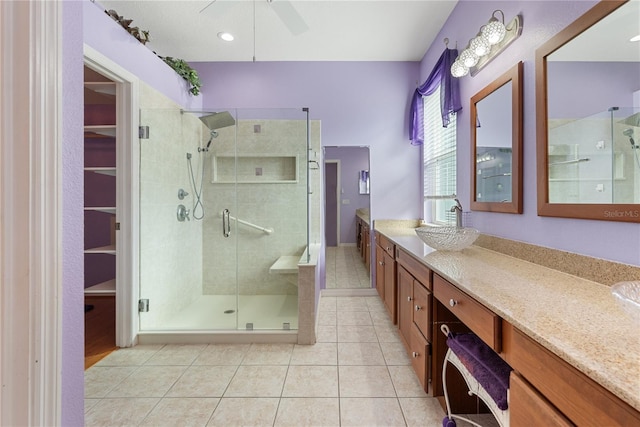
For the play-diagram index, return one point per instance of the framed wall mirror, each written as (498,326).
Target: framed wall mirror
(588,116)
(496,144)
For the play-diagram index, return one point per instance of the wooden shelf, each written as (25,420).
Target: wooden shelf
(104,288)
(102,170)
(110,249)
(105,88)
(100,131)
(105,209)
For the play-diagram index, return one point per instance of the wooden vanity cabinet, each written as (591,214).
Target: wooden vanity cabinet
(405,306)
(386,274)
(414,313)
(568,391)
(527,407)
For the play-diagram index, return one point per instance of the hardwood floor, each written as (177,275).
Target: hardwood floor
(99,329)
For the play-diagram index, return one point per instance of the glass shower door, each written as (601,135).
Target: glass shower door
(223,218)
(271,216)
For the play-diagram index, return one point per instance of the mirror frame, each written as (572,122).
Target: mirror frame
(605,212)
(514,75)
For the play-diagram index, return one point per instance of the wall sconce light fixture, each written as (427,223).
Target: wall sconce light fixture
(492,39)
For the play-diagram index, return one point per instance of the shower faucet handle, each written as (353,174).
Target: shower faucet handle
(183,213)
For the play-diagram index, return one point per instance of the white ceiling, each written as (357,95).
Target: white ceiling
(339,30)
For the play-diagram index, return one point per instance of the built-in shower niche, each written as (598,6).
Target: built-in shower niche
(265,169)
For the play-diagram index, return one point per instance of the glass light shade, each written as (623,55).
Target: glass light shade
(468,58)
(458,69)
(480,46)
(494,31)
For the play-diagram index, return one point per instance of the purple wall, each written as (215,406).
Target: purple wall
(359,103)
(352,161)
(602,239)
(567,80)
(72,377)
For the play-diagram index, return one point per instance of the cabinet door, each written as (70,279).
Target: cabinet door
(390,288)
(528,407)
(420,356)
(422,309)
(405,305)
(380,271)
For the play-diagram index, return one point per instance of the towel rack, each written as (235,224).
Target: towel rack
(475,387)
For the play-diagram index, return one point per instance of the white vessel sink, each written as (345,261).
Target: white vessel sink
(628,296)
(447,238)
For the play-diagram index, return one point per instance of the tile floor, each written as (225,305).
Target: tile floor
(345,269)
(358,374)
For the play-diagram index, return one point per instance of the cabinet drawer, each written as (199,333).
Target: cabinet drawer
(415,267)
(528,407)
(481,320)
(420,350)
(422,309)
(577,396)
(386,244)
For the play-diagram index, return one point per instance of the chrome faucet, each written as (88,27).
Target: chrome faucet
(457,208)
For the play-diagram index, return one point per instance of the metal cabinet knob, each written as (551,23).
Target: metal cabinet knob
(380,262)
(453,302)
(409,299)
(418,308)
(414,354)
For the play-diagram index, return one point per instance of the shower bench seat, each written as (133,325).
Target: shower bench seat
(286,264)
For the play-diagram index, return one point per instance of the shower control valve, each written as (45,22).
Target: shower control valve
(182,194)
(182,213)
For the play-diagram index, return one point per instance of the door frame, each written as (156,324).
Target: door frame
(338,201)
(127,191)
(31,206)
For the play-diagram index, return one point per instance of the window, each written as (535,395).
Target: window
(439,162)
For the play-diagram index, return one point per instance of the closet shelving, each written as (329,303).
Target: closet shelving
(100,184)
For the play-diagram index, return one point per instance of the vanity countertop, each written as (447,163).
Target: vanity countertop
(576,319)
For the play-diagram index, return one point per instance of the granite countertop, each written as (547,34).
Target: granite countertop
(363,214)
(576,319)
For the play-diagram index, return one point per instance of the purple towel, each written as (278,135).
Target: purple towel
(484,364)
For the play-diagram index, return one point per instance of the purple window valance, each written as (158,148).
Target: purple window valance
(449,95)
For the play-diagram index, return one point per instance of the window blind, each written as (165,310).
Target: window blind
(439,161)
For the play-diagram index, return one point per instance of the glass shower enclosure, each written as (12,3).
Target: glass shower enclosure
(595,159)
(223,218)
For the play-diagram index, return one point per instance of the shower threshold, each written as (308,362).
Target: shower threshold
(216,316)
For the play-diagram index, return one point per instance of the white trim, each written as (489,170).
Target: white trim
(30,212)
(127,190)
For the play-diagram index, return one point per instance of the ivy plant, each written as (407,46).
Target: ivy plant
(141,35)
(184,70)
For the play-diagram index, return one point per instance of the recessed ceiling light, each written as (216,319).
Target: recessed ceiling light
(223,35)
(635,39)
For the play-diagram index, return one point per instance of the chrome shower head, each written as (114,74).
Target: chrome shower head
(628,132)
(218,120)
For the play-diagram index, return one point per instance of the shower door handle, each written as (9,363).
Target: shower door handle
(226,223)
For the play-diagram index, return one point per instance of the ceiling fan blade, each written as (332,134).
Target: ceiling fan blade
(217,8)
(289,16)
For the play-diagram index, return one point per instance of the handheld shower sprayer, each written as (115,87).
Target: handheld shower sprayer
(629,134)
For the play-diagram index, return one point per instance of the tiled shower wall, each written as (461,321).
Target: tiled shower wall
(281,206)
(170,251)
(591,181)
